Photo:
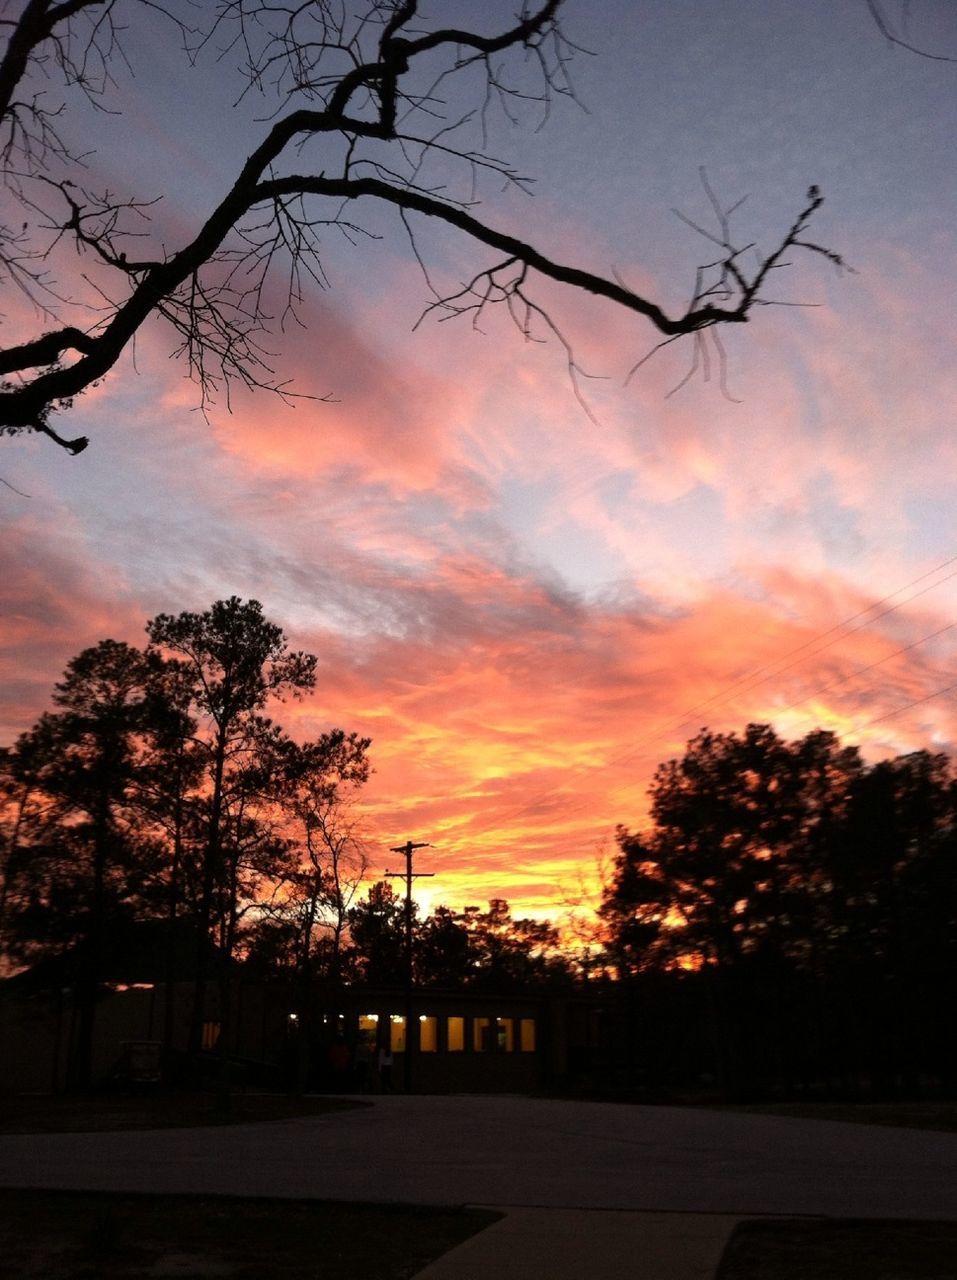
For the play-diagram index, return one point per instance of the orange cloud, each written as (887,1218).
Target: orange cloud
(524,610)
(515,747)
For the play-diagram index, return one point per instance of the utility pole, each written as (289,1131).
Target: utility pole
(408,875)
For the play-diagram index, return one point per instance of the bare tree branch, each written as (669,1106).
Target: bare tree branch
(899,37)
(366,78)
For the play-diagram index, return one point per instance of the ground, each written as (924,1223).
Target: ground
(940,1116)
(50,1235)
(151,1109)
(85,1235)
(841,1250)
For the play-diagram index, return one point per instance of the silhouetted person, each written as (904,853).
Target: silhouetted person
(385,1069)
(363,1065)
(339,1058)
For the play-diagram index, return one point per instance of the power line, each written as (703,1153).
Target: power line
(861,670)
(845,734)
(775,669)
(938,693)
(756,676)
(746,682)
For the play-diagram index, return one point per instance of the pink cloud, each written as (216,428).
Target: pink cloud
(54,601)
(418,534)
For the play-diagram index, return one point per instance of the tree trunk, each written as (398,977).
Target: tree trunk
(211,871)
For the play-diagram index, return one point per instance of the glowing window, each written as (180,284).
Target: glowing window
(397,1033)
(428,1034)
(505,1035)
(527,1035)
(481,1035)
(210,1035)
(455,1031)
(368,1027)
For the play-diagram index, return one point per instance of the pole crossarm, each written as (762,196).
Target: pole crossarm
(407,850)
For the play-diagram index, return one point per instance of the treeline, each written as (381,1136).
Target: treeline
(788,922)
(158,825)
(470,949)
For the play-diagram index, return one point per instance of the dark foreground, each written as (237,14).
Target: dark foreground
(80,1235)
(841,1250)
(59,1235)
(116,1112)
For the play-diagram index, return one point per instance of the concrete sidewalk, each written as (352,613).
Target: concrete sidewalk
(523,1152)
(591,1191)
(572,1244)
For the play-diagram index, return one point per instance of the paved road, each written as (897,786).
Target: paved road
(522,1152)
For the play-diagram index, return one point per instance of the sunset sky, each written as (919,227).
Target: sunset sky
(524,606)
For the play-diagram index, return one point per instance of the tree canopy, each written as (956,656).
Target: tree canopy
(807,897)
(159,794)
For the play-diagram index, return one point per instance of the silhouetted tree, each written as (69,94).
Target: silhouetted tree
(488,950)
(807,898)
(635,906)
(444,951)
(92,861)
(171,776)
(160,793)
(329,859)
(237,661)
(300,928)
(358,111)
(510,954)
(377,930)
(28,815)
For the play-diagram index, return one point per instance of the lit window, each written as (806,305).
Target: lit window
(210,1035)
(455,1028)
(481,1035)
(397,1033)
(505,1035)
(428,1034)
(368,1027)
(527,1035)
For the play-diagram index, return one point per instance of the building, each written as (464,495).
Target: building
(441,1041)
